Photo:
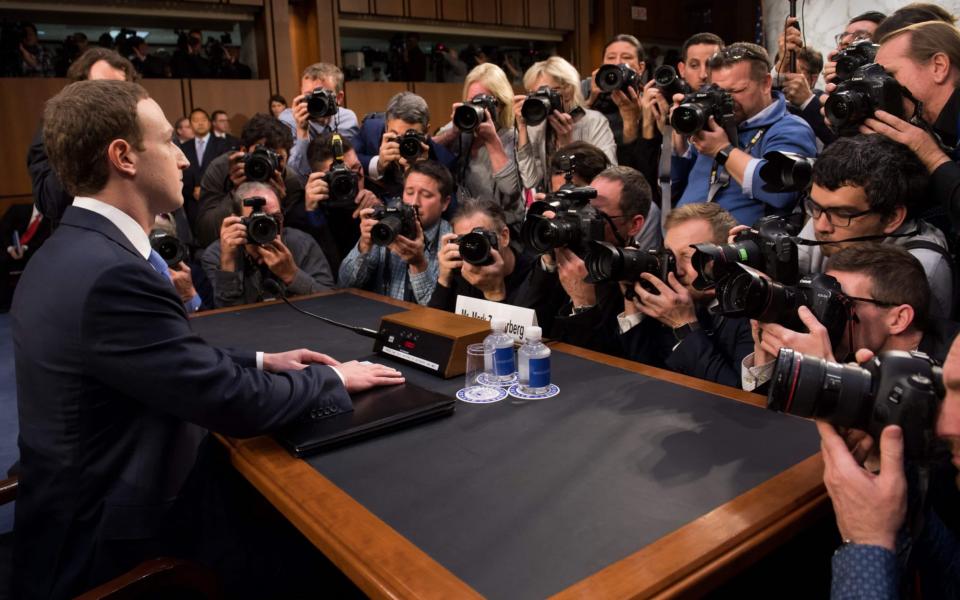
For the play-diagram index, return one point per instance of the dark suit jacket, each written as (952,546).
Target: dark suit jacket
(48,193)
(114,390)
(811,114)
(215,147)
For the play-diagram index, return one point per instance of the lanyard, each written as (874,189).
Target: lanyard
(717,183)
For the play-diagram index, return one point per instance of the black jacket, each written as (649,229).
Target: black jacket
(445,298)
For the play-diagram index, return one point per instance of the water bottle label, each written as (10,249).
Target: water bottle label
(503,362)
(539,372)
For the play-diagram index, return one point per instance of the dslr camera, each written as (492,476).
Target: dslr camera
(540,104)
(170,249)
(617,77)
(605,262)
(470,115)
(342,183)
(261,227)
(260,164)
(321,103)
(751,295)
(576,222)
(696,109)
(393,221)
(769,248)
(893,388)
(670,83)
(869,89)
(410,144)
(475,246)
(786,172)
(854,56)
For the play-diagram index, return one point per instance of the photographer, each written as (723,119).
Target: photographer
(498,278)
(712,167)
(304,128)
(622,109)
(237,266)
(382,139)
(407,268)
(672,328)
(871,187)
(566,122)
(486,165)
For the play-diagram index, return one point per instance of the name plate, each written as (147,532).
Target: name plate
(518,319)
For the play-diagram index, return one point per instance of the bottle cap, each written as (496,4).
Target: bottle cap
(498,325)
(533,333)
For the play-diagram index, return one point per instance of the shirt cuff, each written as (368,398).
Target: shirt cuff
(343,379)
(193,304)
(748,177)
(807,102)
(628,322)
(259,361)
(373,171)
(548,268)
(753,376)
(864,571)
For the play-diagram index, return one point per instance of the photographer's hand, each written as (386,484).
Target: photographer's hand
(279,260)
(237,174)
(389,150)
(562,124)
(449,259)
(365,199)
(796,88)
(760,356)
(673,307)
(816,343)
(233,235)
(571,271)
(364,244)
(629,106)
(680,141)
(518,118)
(654,108)
(280,185)
(489,279)
(412,251)
(182,281)
(302,116)
(316,190)
(789,40)
(919,141)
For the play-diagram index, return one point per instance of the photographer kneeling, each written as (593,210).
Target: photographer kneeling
(256,246)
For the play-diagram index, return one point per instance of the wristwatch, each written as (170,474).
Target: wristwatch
(686,329)
(724,154)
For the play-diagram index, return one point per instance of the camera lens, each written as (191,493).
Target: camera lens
(386,230)
(468,117)
(535,110)
(548,234)
(609,78)
(262,229)
(258,168)
(847,108)
(807,386)
(688,119)
(410,147)
(604,262)
(475,249)
(343,187)
(321,103)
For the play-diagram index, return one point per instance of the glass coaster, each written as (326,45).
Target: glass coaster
(550,392)
(481,394)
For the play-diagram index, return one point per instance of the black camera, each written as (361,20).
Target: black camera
(893,388)
(170,249)
(869,89)
(769,247)
(260,164)
(475,246)
(605,262)
(410,144)
(696,109)
(540,104)
(393,221)
(854,56)
(670,83)
(321,103)
(470,115)
(617,77)
(786,172)
(576,221)
(751,295)
(343,184)
(261,227)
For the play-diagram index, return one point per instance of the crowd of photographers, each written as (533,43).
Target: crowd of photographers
(726,220)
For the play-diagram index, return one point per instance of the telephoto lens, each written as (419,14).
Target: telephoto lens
(786,172)
(670,83)
(606,262)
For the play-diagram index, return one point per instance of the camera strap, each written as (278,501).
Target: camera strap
(664,178)
(863,238)
(721,179)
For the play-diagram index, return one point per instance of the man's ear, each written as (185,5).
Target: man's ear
(504,237)
(446,203)
(122,157)
(636,225)
(900,319)
(896,219)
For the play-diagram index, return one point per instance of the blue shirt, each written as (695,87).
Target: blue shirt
(345,122)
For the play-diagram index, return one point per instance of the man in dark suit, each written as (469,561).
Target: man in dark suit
(221,129)
(204,147)
(113,387)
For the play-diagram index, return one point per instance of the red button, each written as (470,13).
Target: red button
(409,345)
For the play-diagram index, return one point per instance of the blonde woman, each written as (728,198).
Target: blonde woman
(574,123)
(484,141)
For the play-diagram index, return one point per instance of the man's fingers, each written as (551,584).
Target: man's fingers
(655,282)
(891,452)
(317,357)
(807,318)
(863,355)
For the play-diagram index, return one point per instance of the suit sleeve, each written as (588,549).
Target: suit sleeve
(714,356)
(215,203)
(140,343)
(793,136)
(48,192)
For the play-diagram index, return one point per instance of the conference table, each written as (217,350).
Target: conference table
(633,482)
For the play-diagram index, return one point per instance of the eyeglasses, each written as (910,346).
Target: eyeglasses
(849,37)
(873,301)
(838,217)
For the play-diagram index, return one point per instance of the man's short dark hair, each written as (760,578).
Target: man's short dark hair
(435,171)
(889,173)
(743,51)
(470,206)
(635,195)
(706,38)
(632,40)
(320,149)
(813,58)
(216,113)
(80,69)
(200,110)
(911,14)
(896,276)
(278,98)
(589,160)
(871,15)
(262,126)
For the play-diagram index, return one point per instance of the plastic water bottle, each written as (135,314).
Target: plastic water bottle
(534,361)
(502,364)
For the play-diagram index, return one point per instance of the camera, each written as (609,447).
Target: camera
(475,246)
(393,221)
(605,262)
(321,103)
(893,388)
(751,295)
(696,109)
(617,77)
(538,105)
(410,144)
(261,227)
(342,183)
(869,89)
(576,222)
(260,164)
(854,56)
(170,249)
(670,83)
(786,172)
(470,115)
(769,248)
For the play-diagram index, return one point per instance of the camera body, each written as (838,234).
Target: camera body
(696,109)
(606,262)
(854,56)
(410,144)
(261,227)
(669,82)
(540,104)
(260,164)
(169,247)
(470,115)
(576,222)
(393,221)
(893,388)
(343,184)
(870,88)
(475,246)
(769,248)
(617,77)
(321,103)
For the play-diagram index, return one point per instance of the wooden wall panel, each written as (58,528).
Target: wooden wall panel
(483,11)
(241,99)
(364,97)
(21,108)
(390,8)
(440,98)
(511,13)
(169,95)
(564,14)
(423,9)
(355,6)
(538,14)
(453,10)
